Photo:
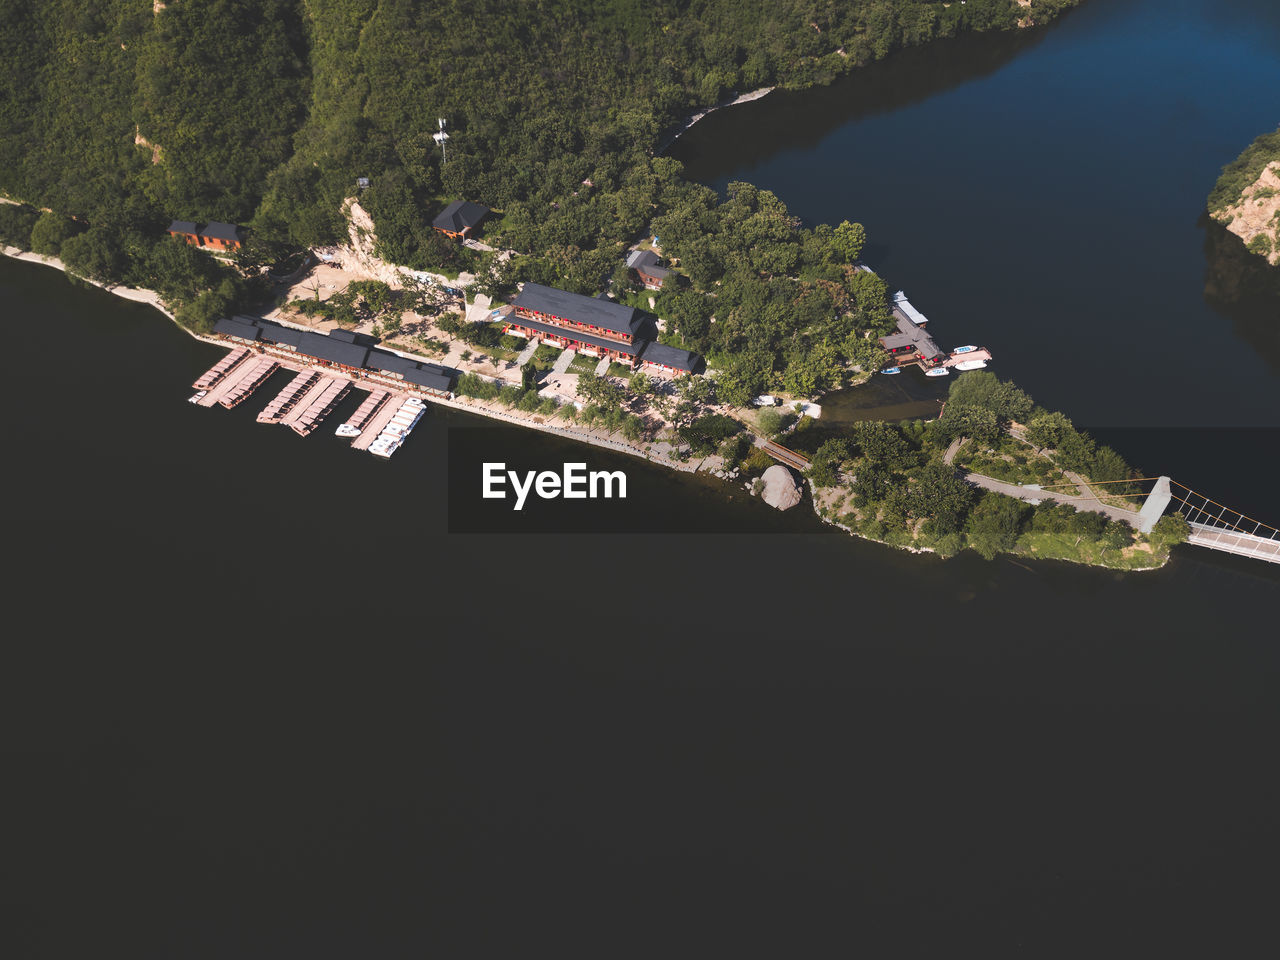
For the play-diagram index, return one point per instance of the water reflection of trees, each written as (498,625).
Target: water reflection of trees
(807,116)
(1243,287)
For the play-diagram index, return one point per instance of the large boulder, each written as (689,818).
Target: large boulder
(780,487)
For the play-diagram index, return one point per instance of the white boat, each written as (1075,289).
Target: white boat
(968,349)
(937,372)
(347,430)
(199,394)
(971,364)
(891,370)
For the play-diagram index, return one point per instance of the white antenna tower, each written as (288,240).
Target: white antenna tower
(440,138)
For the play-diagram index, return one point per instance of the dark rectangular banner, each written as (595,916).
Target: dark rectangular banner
(509,480)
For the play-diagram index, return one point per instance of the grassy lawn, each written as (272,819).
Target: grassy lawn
(547,352)
(619,370)
(1063,546)
(583,364)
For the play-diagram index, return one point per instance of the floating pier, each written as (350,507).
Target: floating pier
(364,413)
(255,375)
(218,371)
(390,426)
(285,400)
(331,391)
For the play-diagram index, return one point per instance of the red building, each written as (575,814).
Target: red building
(212,236)
(594,326)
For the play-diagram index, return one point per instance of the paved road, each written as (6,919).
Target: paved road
(1037,496)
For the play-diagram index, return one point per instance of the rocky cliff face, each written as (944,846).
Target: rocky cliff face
(1255,216)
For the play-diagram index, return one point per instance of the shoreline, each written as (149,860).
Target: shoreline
(136,294)
(689,121)
(482,408)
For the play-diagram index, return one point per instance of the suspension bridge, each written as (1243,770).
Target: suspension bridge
(1213,525)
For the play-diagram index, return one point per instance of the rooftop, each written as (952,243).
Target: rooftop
(459,215)
(242,327)
(590,311)
(653,352)
(221,231)
(574,335)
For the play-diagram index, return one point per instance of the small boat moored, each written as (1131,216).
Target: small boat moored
(971,364)
(968,349)
(937,372)
(198,396)
(346,430)
(891,370)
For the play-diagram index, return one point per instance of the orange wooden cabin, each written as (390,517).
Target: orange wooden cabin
(213,235)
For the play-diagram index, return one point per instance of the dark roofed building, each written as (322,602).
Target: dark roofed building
(669,358)
(239,328)
(566,337)
(648,268)
(588,314)
(460,219)
(428,379)
(281,335)
(332,351)
(226,232)
(388,362)
(214,235)
(911,337)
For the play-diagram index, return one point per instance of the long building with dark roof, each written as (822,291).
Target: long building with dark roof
(593,325)
(343,349)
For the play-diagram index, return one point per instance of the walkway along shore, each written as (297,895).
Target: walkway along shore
(468,405)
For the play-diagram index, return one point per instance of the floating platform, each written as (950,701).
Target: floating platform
(364,413)
(394,425)
(319,405)
(256,373)
(284,401)
(219,370)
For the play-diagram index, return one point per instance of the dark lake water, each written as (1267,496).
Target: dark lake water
(1042,194)
(257,702)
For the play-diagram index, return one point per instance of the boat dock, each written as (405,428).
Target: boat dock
(912,346)
(378,422)
(382,421)
(284,401)
(317,404)
(366,411)
(219,370)
(391,426)
(238,382)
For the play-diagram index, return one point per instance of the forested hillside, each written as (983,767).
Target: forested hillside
(123,113)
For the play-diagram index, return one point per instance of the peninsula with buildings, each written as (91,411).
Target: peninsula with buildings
(535,258)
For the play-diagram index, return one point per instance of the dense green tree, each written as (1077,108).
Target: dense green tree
(995,523)
(848,240)
(939,495)
(51,231)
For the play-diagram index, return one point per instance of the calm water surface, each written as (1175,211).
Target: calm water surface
(257,702)
(1042,194)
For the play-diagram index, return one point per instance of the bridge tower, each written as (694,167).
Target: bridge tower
(1154,506)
